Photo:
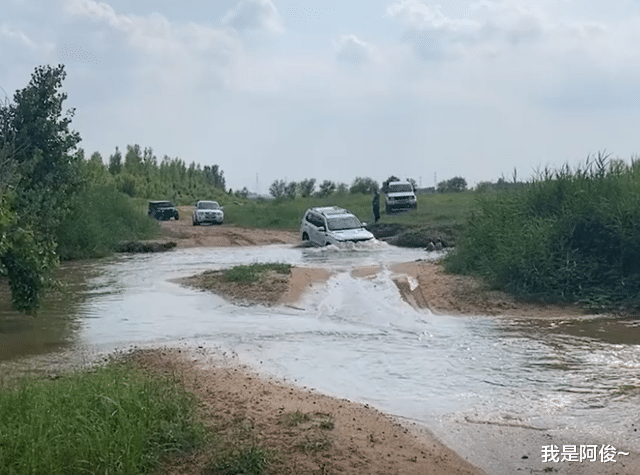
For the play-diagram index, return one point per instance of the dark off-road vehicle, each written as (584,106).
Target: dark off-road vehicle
(162,210)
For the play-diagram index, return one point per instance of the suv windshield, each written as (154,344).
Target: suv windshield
(343,222)
(161,204)
(208,205)
(400,188)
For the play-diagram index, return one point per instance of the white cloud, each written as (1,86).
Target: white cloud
(414,13)
(493,28)
(254,15)
(99,11)
(186,54)
(350,49)
(155,34)
(19,36)
(490,28)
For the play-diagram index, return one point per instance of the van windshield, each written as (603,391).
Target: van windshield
(343,222)
(400,188)
(208,205)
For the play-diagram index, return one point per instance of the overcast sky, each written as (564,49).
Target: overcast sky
(335,89)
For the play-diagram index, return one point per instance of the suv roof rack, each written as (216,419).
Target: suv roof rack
(331,210)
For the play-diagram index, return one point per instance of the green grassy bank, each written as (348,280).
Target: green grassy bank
(111,420)
(119,419)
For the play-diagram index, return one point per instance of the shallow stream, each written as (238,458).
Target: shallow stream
(559,381)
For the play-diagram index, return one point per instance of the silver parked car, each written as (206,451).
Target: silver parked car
(332,225)
(207,212)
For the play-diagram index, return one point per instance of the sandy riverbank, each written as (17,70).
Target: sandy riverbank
(334,436)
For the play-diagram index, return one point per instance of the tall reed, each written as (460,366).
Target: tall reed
(569,234)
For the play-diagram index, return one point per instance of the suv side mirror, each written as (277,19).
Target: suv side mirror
(321,229)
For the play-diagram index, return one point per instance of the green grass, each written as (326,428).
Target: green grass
(112,420)
(254,272)
(436,209)
(244,459)
(570,235)
(292,419)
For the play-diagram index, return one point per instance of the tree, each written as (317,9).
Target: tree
(291,189)
(364,185)
(149,160)
(326,188)
(385,184)
(44,141)
(453,185)
(115,162)
(277,188)
(45,178)
(307,186)
(133,159)
(342,188)
(97,172)
(414,184)
(8,161)
(214,176)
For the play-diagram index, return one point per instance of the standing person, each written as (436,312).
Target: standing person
(375,204)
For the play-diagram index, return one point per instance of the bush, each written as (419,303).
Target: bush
(364,185)
(567,235)
(453,185)
(101,217)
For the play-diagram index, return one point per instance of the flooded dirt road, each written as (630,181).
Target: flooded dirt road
(494,389)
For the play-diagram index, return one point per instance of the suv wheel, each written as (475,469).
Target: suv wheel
(196,223)
(305,237)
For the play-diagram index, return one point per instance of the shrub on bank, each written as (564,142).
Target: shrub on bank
(570,235)
(255,272)
(102,216)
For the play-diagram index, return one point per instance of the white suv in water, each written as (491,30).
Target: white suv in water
(332,225)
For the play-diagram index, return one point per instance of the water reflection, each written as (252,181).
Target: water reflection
(55,325)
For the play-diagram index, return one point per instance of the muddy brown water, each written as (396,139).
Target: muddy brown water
(560,381)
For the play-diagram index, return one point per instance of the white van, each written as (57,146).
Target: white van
(399,195)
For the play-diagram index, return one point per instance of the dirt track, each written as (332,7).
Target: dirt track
(187,235)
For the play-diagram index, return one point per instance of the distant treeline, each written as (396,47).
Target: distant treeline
(140,175)
(364,185)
